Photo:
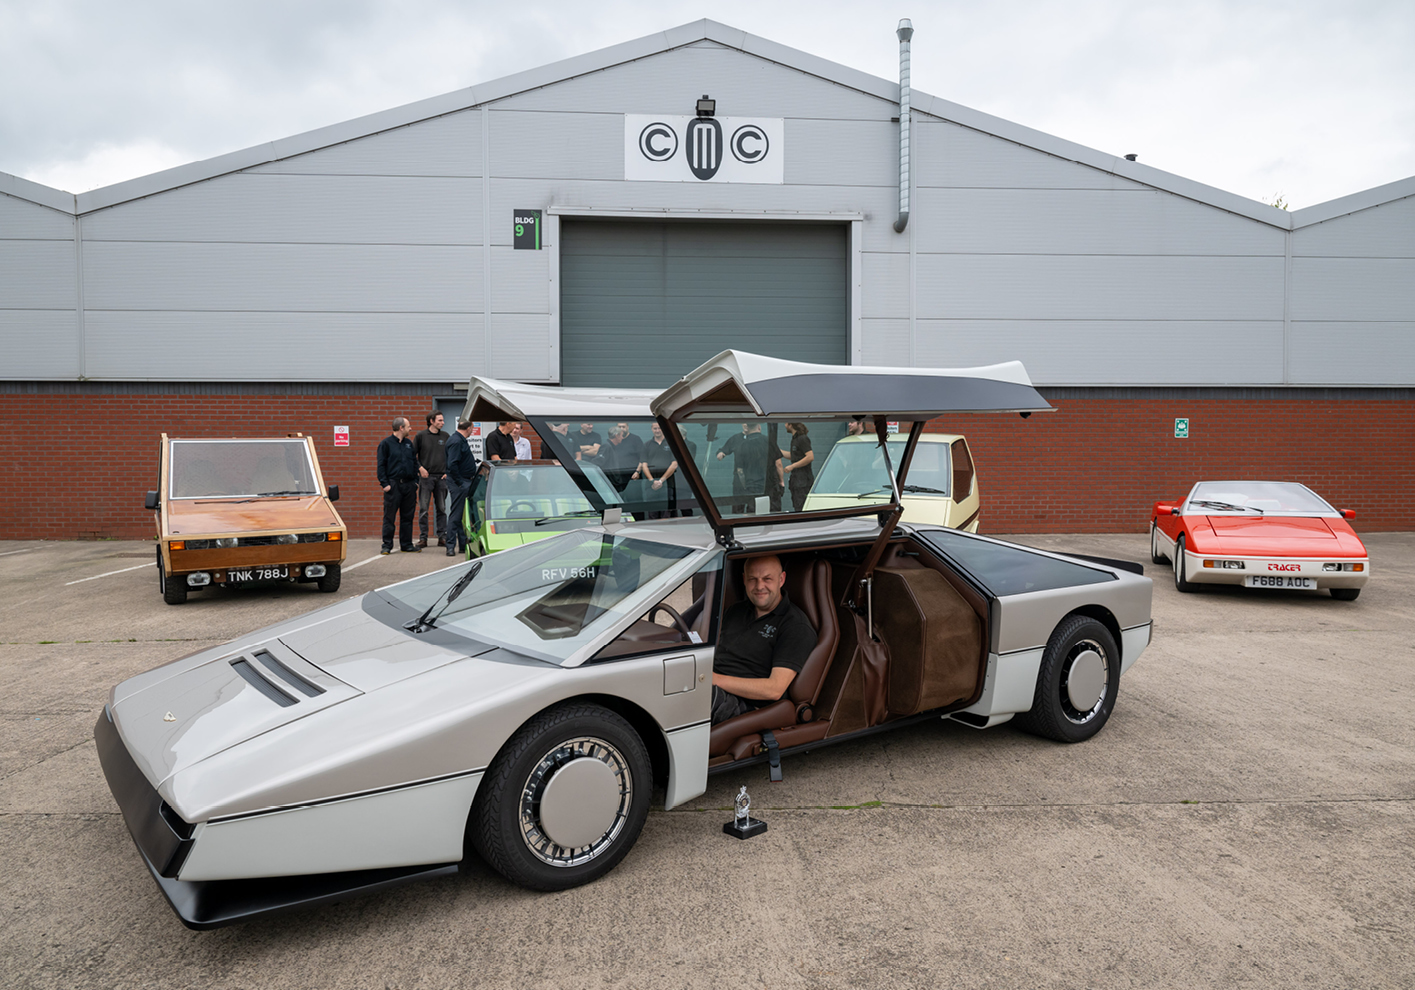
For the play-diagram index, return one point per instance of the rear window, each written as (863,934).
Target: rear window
(1008,570)
(248,468)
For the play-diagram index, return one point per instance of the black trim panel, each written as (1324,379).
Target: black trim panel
(905,396)
(1119,565)
(161,846)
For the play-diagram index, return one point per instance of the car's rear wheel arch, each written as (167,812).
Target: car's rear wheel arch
(1106,618)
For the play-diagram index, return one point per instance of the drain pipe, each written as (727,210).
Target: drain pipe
(905,32)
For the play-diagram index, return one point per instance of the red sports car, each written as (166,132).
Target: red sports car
(1260,534)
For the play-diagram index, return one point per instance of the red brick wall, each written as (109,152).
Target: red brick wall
(1095,465)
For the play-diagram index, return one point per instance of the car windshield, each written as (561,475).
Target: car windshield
(242,468)
(535,494)
(547,599)
(1255,498)
(854,464)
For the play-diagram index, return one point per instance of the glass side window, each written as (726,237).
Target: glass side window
(247,468)
(532,496)
(1009,570)
(685,618)
(1256,498)
(550,598)
(623,463)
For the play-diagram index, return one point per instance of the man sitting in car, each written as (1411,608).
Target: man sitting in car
(763,644)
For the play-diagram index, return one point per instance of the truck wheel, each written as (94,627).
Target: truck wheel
(564,800)
(329,583)
(1077,683)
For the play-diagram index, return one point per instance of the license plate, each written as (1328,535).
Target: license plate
(258,574)
(1280,581)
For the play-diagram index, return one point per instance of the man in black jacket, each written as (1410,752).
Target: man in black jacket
(398,477)
(461,476)
(430,447)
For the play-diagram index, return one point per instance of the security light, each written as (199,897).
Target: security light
(707,106)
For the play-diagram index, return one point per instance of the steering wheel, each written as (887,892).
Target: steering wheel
(672,614)
(535,509)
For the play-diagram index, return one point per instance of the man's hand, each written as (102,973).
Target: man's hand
(387,488)
(757,688)
(422,471)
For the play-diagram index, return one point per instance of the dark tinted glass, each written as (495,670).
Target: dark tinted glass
(1007,570)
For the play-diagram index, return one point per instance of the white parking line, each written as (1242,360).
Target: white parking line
(108,574)
(25,550)
(361,563)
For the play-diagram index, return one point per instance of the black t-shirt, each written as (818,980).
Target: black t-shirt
(500,444)
(625,456)
(658,456)
(749,456)
(749,646)
(578,440)
(800,447)
(431,449)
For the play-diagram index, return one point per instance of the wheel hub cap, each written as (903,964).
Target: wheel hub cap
(579,803)
(1086,681)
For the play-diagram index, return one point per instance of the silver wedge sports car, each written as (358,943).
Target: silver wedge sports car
(526,705)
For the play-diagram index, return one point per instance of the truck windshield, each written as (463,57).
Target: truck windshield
(247,468)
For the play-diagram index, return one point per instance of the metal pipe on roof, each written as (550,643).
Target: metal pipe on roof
(905,32)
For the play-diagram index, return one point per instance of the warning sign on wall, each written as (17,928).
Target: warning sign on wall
(341,436)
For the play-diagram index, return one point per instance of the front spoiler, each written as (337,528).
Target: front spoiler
(203,904)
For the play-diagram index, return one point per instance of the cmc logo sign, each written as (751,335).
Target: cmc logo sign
(703,149)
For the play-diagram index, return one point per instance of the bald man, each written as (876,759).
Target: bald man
(763,644)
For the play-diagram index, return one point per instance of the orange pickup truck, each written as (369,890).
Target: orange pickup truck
(233,512)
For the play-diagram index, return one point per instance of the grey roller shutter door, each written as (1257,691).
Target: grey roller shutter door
(641,303)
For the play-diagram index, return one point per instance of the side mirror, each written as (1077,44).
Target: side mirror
(1164,510)
(333,493)
(151,501)
(1348,513)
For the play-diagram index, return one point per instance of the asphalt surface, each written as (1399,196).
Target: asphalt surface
(1245,819)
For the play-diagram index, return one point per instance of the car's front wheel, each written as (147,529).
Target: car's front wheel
(564,800)
(174,592)
(1155,556)
(329,581)
(1345,594)
(1077,683)
(1180,583)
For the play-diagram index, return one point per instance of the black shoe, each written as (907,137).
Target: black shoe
(385,551)
(451,552)
(412,549)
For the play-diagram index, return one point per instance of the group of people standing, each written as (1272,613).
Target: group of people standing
(626,459)
(757,471)
(434,468)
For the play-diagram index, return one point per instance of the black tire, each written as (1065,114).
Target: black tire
(1180,584)
(329,583)
(174,592)
(1155,556)
(1053,714)
(1345,594)
(506,826)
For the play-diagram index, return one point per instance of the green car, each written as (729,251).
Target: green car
(522,502)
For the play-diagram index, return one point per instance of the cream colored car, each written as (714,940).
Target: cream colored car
(942,488)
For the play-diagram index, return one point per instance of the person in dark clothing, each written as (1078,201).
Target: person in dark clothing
(500,446)
(398,476)
(749,450)
(621,458)
(797,468)
(461,476)
(587,443)
(430,448)
(658,469)
(763,644)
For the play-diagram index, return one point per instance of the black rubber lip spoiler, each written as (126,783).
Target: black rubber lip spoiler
(204,904)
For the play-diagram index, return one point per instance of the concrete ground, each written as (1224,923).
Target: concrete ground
(1245,819)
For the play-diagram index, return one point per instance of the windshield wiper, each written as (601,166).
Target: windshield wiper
(288,492)
(578,514)
(877,491)
(924,488)
(1226,505)
(427,620)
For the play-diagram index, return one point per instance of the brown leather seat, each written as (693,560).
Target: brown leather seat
(808,588)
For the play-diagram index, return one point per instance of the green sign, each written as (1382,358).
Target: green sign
(1181,428)
(526,232)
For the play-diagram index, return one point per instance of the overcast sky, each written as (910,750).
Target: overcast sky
(1310,100)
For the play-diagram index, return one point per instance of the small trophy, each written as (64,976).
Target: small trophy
(743,826)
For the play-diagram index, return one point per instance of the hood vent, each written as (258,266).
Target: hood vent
(287,675)
(258,678)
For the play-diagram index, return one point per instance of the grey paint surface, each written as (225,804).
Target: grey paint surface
(1228,827)
(1019,244)
(644,303)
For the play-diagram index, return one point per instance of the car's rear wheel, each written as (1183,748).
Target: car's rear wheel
(174,591)
(564,800)
(1180,584)
(1076,684)
(329,581)
(1345,594)
(1155,555)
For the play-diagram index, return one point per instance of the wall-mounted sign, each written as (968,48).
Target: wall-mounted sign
(891,426)
(476,442)
(703,149)
(1181,428)
(341,436)
(525,235)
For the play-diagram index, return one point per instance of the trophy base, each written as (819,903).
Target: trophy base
(754,826)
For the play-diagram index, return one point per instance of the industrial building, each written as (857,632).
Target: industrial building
(615,218)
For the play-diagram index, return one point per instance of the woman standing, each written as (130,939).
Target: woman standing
(798,469)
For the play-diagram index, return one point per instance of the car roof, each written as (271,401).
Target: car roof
(492,399)
(736,382)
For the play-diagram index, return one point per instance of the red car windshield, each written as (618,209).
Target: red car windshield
(1257,498)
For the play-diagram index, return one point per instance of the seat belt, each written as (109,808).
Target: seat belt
(773,755)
